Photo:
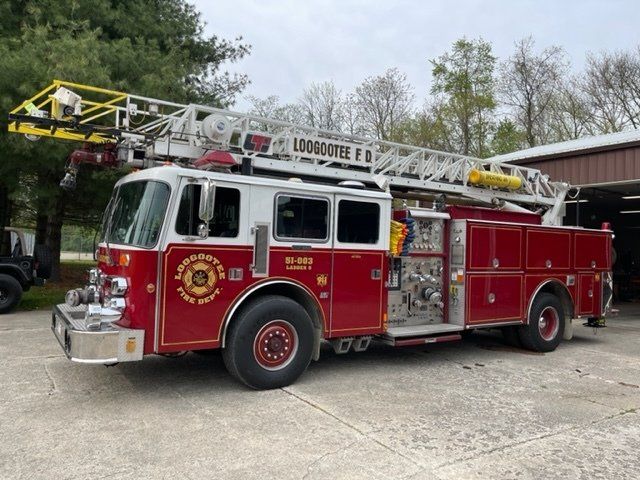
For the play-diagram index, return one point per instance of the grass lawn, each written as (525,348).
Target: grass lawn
(73,275)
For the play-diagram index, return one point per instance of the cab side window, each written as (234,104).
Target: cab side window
(226,217)
(302,218)
(358,222)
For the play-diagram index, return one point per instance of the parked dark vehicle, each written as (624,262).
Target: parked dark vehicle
(20,269)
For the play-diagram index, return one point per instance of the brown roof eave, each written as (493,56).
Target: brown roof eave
(575,153)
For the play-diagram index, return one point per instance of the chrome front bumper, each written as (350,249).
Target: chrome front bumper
(109,344)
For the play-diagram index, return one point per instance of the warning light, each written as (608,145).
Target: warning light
(124,260)
(131,345)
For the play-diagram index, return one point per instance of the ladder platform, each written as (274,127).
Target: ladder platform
(421,330)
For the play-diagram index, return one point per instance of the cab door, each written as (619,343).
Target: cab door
(201,277)
(359,256)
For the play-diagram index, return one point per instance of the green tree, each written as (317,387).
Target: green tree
(150,47)
(383,102)
(464,81)
(426,128)
(529,84)
(507,138)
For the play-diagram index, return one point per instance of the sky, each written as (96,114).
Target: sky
(295,43)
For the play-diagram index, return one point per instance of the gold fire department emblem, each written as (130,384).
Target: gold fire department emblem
(199,274)
(322,279)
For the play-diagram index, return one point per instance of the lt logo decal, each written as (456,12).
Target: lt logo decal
(322,279)
(199,274)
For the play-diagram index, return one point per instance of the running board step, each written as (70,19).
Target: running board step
(421,334)
(421,330)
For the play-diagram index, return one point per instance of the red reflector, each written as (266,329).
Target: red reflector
(215,158)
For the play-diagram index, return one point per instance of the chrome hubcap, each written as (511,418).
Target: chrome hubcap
(548,323)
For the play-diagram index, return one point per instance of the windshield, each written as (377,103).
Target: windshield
(135,213)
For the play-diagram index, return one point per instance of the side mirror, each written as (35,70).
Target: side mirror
(207,204)
(207,200)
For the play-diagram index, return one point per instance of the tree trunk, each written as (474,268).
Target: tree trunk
(54,231)
(42,221)
(5,213)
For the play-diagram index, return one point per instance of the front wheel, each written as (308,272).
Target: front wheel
(269,344)
(545,329)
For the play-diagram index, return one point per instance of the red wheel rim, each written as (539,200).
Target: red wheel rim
(275,345)
(548,323)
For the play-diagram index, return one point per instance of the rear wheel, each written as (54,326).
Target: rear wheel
(269,344)
(545,329)
(10,293)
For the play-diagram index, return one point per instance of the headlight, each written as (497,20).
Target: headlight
(119,286)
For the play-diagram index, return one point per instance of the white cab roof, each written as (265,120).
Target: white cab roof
(170,174)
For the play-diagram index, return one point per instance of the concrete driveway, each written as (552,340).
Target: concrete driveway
(476,409)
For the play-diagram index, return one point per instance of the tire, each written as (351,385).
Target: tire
(10,293)
(511,336)
(42,257)
(545,329)
(259,349)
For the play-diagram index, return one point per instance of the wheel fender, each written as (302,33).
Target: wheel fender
(561,291)
(286,288)
(16,272)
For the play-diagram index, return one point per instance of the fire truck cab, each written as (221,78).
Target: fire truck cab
(267,269)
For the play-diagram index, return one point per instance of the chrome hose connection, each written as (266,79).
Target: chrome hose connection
(104,305)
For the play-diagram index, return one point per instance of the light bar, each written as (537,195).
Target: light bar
(629,211)
(576,201)
(631,197)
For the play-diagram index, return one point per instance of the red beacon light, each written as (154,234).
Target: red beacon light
(215,160)
(605,226)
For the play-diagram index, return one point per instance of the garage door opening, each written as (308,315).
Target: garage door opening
(618,204)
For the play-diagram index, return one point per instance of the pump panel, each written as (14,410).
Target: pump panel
(429,235)
(419,301)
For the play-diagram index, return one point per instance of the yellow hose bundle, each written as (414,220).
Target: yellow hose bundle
(397,234)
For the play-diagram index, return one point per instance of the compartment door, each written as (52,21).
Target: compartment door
(592,251)
(586,293)
(494,298)
(494,248)
(548,250)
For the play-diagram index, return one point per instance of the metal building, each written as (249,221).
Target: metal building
(606,168)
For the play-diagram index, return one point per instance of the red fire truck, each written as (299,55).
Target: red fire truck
(265,239)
